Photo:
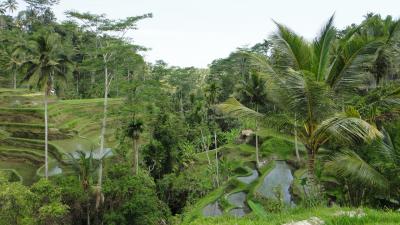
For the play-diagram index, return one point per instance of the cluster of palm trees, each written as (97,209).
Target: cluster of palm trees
(317,85)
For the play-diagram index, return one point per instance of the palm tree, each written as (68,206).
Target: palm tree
(84,165)
(10,5)
(299,83)
(135,127)
(47,63)
(211,98)
(14,62)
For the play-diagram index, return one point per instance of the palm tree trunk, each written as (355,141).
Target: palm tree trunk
(216,157)
(103,132)
(311,167)
(77,84)
(257,150)
(46,134)
(88,212)
(15,80)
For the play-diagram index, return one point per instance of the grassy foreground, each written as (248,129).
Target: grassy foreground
(328,215)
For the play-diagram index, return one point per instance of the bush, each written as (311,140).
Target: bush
(132,199)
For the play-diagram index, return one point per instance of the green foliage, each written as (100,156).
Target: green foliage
(40,204)
(184,189)
(132,199)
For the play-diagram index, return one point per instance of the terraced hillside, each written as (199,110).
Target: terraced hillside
(73,125)
(248,188)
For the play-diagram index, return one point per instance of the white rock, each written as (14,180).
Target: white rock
(311,221)
(355,213)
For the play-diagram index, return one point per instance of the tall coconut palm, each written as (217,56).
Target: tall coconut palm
(47,63)
(14,61)
(298,82)
(211,98)
(134,129)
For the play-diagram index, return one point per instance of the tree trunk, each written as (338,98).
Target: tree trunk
(103,132)
(77,84)
(88,212)
(15,80)
(311,166)
(216,157)
(257,150)
(46,134)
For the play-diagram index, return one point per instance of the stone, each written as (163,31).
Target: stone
(311,221)
(354,213)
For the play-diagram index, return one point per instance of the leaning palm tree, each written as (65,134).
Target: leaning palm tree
(47,63)
(134,129)
(299,83)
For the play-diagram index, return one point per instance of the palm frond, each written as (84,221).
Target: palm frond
(353,68)
(346,129)
(322,46)
(298,92)
(291,50)
(348,164)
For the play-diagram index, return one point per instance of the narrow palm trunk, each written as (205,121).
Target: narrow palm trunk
(77,85)
(46,134)
(15,80)
(88,213)
(216,157)
(257,150)
(103,132)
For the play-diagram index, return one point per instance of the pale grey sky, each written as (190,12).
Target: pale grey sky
(194,32)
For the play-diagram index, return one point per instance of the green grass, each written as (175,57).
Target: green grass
(278,148)
(372,217)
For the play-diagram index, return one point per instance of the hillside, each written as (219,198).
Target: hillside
(74,125)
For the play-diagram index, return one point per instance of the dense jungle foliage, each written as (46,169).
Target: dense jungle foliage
(150,143)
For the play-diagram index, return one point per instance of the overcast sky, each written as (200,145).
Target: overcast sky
(194,32)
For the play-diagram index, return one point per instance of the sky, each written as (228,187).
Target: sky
(195,32)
